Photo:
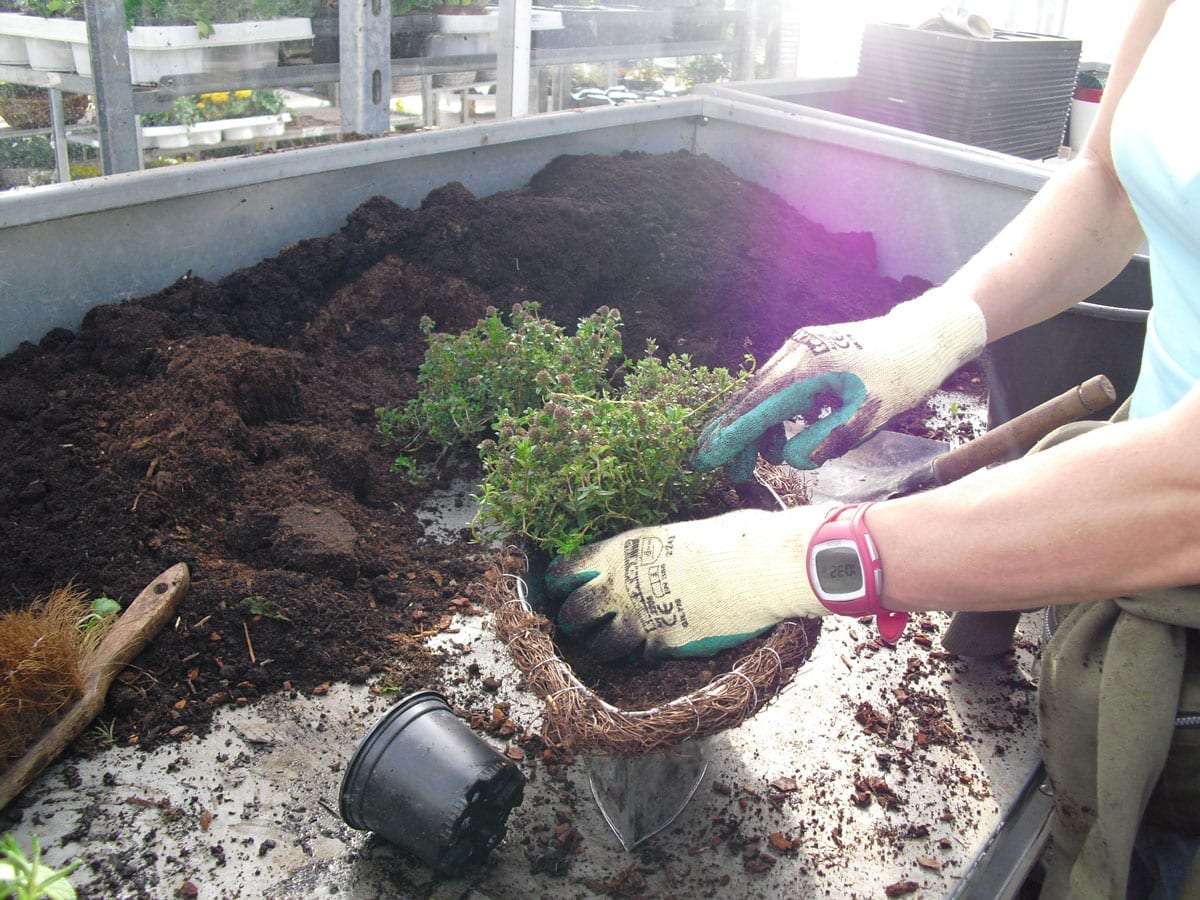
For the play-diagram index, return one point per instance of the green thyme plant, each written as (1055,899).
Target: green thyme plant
(27,877)
(573,447)
(584,467)
(468,381)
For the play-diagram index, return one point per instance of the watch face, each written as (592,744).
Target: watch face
(838,570)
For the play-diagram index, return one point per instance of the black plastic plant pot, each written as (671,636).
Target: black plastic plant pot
(424,781)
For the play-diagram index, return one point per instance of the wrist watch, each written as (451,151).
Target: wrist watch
(845,572)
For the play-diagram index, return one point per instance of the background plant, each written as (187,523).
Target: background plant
(51,9)
(645,70)
(36,151)
(218,105)
(468,381)
(204,13)
(405,7)
(704,70)
(26,153)
(585,467)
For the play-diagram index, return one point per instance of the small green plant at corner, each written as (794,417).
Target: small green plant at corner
(27,877)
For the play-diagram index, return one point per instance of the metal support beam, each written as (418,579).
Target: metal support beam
(512,62)
(365,33)
(120,150)
(743,69)
(61,161)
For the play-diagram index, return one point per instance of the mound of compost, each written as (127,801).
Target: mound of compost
(230,425)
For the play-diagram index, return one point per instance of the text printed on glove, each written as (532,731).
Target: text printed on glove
(646,583)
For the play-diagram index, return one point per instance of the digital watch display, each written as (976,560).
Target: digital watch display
(845,572)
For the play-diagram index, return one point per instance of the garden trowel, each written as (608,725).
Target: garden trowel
(639,796)
(892,464)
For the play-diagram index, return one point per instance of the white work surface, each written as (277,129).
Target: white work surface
(251,809)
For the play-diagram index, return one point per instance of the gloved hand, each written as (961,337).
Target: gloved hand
(688,589)
(866,372)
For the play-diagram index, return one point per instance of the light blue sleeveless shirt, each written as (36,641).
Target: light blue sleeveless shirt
(1156,149)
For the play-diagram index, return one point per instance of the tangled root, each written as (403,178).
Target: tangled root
(576,718)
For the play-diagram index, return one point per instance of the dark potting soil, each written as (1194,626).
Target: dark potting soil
(230,425)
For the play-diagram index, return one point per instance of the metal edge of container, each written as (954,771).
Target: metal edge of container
(1111,313)
(128,235)
(900,143)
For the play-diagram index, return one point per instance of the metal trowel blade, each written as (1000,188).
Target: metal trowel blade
(640,796)
(875,468)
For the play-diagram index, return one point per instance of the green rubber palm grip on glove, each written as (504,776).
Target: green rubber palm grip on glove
(738,442)
(562,586)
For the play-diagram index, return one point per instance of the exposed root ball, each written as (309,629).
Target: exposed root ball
(576,718)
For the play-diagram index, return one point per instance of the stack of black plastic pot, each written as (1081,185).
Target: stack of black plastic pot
(1010,93)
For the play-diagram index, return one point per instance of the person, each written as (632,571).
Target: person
(1104,527)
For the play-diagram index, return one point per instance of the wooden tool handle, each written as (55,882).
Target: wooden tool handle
(1016,436)
(136,627)
(148,613)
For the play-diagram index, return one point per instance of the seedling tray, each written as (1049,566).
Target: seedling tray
(1010,94)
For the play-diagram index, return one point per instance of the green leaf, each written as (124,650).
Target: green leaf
(256,605)
(105,606)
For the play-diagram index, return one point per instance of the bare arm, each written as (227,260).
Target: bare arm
(1106,514)
(1044,261)
(1113,512)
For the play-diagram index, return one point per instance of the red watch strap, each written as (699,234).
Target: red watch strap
(890,624)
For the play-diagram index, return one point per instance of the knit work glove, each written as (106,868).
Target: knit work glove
(864,373)
(688,589)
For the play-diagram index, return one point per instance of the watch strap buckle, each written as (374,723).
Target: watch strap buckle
(891,625)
